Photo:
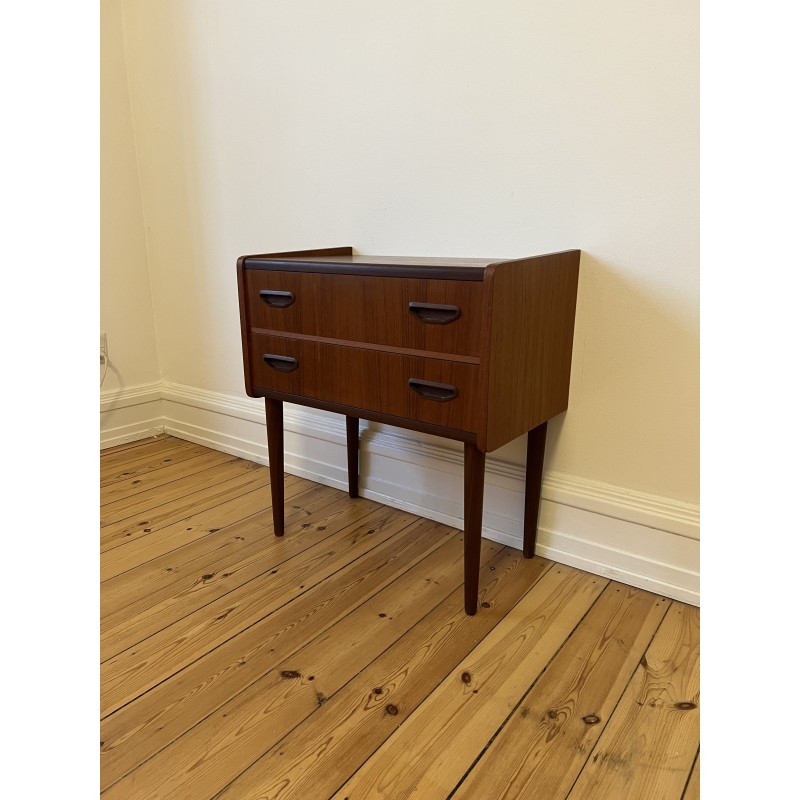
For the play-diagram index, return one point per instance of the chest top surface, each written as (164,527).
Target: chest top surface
(337,261)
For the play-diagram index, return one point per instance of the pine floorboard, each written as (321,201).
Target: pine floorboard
(162,453)
(109,453)
(337,662)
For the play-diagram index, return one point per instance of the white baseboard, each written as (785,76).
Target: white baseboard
(130,414)
(642,539)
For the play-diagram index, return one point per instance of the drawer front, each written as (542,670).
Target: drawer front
(430,390)
(437,316)
(281,301)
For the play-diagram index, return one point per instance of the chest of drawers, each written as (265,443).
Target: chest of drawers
(477,350)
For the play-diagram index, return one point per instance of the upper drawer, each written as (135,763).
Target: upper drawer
(437,316)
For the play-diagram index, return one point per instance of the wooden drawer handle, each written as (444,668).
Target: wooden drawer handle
(281,363)
(434,313)
(275,298)
(433,391)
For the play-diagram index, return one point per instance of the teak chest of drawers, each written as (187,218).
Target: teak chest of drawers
(477,350)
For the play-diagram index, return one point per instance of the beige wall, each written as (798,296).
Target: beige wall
(126,309)
(450,128)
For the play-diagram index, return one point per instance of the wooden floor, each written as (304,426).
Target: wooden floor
(337,662)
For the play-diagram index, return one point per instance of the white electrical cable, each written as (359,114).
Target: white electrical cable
(104,361)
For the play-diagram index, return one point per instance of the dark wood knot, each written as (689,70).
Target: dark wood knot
(290,673)
(484,604)
(391,710)
(686,705)
(466,678)
(591,719)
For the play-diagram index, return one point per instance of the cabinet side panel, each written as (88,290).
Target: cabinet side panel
(243,321)
(533,321)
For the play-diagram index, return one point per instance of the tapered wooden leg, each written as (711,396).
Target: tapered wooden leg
(533,487)
(275,448)
(474,463)
(352,455)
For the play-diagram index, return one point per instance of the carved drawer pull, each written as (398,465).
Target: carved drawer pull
(275,298)
(434,313)
(433,391)
(281,363)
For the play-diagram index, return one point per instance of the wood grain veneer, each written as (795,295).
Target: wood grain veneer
(530,347)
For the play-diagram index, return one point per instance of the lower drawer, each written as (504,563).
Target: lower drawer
(431,390)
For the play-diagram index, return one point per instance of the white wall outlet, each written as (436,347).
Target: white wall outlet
(103,345)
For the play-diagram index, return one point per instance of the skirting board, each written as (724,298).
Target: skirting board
(641,539)
(130,414)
